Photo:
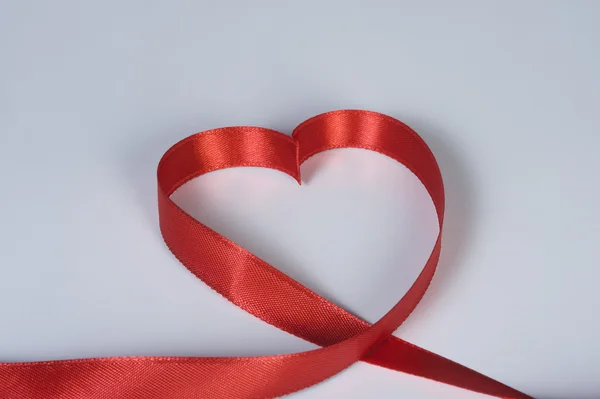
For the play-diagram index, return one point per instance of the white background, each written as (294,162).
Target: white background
(507,93)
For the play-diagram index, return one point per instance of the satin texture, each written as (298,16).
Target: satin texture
(260,288)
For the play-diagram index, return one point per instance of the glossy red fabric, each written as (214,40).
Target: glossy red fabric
(259,288)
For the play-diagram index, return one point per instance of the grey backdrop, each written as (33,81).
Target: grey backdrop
(506,93)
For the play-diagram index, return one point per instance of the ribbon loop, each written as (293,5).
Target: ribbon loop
(261,289)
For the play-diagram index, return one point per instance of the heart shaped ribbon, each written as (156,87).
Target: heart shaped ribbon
(259,288)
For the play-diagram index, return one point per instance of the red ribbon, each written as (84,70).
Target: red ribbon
(259,288)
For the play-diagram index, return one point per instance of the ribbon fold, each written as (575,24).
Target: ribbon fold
(259,288)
